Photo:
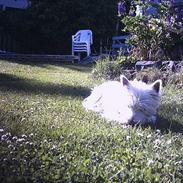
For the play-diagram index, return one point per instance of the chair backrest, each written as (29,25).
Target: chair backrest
(119,44)
(120,39)
(83,36)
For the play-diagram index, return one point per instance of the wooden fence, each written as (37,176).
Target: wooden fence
(7,42)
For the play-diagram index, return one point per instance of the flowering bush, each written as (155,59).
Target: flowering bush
(154,35)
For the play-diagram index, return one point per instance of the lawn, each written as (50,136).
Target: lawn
(47,136)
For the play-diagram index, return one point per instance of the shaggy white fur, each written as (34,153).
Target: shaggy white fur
(126,102)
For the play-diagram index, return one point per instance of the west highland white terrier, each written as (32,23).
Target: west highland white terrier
(127,102)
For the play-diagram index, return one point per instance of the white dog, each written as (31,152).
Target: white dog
(127,102)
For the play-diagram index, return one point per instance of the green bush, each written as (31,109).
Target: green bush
(167,76)
(107,69)
(110,69)
(152,37)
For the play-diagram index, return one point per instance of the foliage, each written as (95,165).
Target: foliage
(153,35)
(111,68)
(107,69)
(167,76)
(47,26)
(47,136)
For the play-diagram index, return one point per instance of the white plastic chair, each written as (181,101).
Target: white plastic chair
(82,41)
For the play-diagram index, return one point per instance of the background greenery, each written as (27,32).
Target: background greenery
(155,36)
(47,26)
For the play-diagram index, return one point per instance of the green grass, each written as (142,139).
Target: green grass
(47,136)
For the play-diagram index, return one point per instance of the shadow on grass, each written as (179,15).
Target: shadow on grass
(46,64)
(10,82)
(170,118)
(31,63)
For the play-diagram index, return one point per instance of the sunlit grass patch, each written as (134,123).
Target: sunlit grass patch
(47,136)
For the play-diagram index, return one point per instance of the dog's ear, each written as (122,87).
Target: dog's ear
(157,85)
(124,81)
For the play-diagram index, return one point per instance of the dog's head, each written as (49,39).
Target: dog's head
(146,99)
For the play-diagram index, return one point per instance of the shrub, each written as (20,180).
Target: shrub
(167,76)
(107,69)
(111,70)
(153,37)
